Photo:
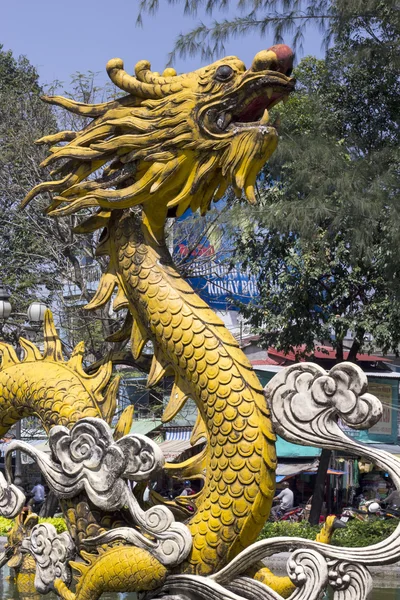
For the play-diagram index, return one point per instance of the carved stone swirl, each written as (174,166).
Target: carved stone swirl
(309,572)
(205,588)
(252,590)
(51,551)
(166,540)
(349,581)
(307,569)
(306,401)
(87,458)
(12,499)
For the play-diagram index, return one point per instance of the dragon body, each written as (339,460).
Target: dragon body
(174,142)
(120,569)
(192,342)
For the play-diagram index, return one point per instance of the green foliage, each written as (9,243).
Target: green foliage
(284,528)
(355,534)
(284,20)
(5,525)
(323,240)
(59,524)
(41,258)
(367,533)
(316,290)
(23,118)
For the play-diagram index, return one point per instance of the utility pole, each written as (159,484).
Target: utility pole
(318,495)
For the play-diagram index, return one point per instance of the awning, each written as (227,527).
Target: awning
(294,468)
(178,433)
(329,472)
(391,448)
(286,449)
(174,448)
(285,471)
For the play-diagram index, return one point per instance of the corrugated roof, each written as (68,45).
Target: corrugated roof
(391,448)
(290,469)
(178,433)
(144,426)
(320,353)
(263,361)
(173,448)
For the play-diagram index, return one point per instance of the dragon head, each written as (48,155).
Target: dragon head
(174,141)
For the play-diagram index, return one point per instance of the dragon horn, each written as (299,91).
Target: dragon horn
(144,73)
(128,83)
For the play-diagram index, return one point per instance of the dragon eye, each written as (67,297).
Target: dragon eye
(224,73)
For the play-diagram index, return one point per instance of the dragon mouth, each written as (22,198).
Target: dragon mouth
(256,111)
(251,112)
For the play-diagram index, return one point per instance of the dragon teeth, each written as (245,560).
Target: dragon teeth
(269,92)
(223,120)
(265,118)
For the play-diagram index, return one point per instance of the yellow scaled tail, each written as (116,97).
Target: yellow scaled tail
(121,569)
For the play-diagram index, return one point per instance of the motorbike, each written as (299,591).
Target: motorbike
(370,509)
(292,515)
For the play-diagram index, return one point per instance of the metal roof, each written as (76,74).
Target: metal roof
(144,426)
(286,449)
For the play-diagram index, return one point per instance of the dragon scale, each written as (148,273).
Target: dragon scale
(55,396)
(210,368)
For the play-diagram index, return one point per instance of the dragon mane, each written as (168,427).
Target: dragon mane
(151,145)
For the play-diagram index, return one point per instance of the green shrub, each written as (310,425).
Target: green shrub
(366,533)
(284,529)
(356,533)
(5,525)
(59,524)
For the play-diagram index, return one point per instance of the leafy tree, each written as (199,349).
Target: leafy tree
(40,257)
(323,239)
(23,118)
(315,290)
(376,20)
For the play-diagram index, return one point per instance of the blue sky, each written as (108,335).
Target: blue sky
(61,38)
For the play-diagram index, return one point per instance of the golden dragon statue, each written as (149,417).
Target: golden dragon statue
(171,143)
(174,142)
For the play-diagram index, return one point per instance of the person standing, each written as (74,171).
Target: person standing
(37,496)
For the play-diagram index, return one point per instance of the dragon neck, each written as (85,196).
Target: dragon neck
(192,343)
